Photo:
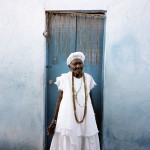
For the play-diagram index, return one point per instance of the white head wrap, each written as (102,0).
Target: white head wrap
(75,55)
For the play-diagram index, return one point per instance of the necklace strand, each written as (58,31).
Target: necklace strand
(79,88)
(78,102)
(73,98)
(76,94)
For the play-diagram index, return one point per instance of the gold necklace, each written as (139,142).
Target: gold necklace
(73,98)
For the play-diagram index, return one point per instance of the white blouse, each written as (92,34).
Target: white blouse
(66,123)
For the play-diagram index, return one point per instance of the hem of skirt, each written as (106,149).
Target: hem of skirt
(69,132)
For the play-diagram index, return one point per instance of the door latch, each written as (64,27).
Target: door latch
(51,82)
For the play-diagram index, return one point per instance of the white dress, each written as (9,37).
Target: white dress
(70,135)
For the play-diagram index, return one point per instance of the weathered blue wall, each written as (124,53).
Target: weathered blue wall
(127,77)
(21,75)
(127,69)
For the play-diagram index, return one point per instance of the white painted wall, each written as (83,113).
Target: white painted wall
(127,69)
(22,58)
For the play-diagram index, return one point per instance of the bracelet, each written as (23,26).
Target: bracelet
(54,121)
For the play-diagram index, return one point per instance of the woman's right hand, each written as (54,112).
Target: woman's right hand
(51,128)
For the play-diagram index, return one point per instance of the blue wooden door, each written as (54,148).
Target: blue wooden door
(68,33)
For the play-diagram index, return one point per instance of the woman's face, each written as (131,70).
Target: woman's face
(76,66)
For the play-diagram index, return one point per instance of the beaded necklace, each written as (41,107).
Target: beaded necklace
(73,98)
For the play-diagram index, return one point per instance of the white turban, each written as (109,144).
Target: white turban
(75,55)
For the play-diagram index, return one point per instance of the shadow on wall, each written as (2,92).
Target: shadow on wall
(6,145)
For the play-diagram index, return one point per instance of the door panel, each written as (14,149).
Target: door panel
(69,33)
(90,32)
(60,44)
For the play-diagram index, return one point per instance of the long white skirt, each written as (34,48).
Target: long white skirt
(62,142)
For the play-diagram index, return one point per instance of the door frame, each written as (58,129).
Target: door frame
(45,33)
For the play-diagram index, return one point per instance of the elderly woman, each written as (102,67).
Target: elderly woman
(74,124)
